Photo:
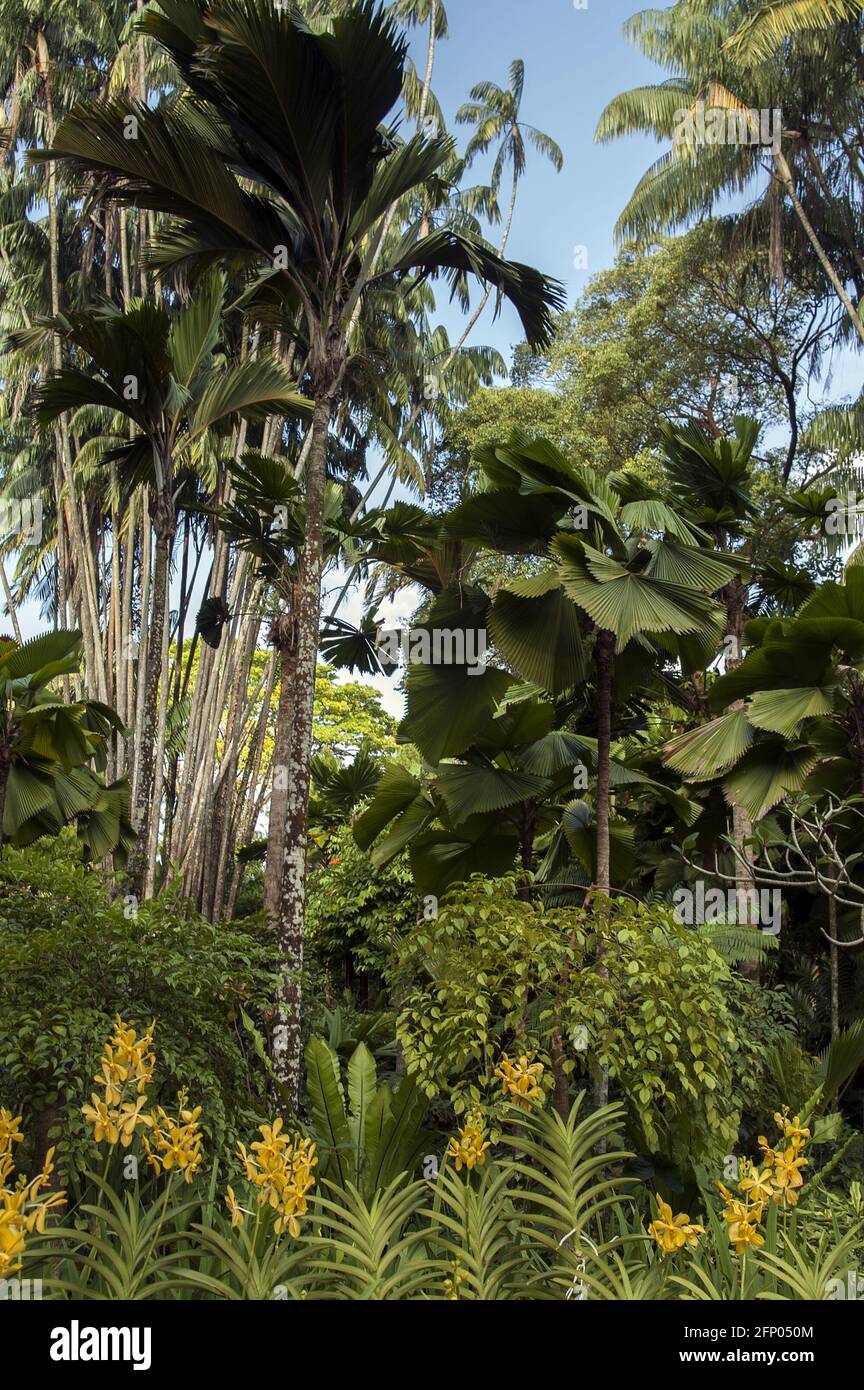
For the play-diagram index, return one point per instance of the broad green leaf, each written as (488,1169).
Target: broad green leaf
(691,567)
(469,790)
(328,1110)
(362,1085)
(540,638)
(447,706)
(442,857)
(395,792)
(412,822)
(702,753)
(557,751)
(632,604)
(783,711)
(402,1138)
(28,794)
(768,773)
(32,656)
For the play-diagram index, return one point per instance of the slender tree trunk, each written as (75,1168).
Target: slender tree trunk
(735,596)
(10,604)
(252,795)
(834,965)
(603,652)
(527,825)
(788,181)
(89,600)
(230,762)
(5,766)
(125,658)
(201,753)
(140,685)
(145,752)
(159,750)
(289,931)
(279,767)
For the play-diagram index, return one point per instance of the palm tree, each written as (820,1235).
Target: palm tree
(161,374)
(641,575)
(764,30)
(792,730)
(418,93)
(811,81)
(495,111)
(282,166)
(46,748)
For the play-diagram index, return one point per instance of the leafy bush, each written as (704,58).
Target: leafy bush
(356,913)
(492,973)
(70,960)
(764,1019)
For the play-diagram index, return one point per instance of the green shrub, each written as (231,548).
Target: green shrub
(356,913)
(70,960)
(492,973)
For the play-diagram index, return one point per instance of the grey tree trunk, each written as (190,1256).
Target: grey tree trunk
(742,826)
(279,769)
(605,642)
(145,752)
(289,930)
(603,651)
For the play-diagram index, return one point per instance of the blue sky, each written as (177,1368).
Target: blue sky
(576,59)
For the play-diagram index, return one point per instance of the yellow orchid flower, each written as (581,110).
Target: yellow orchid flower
(22,1210)
(280,1166)
(757,1184)
(787,1168)
(469,1147)
(519,1080)
(792,1129)
(670,1232)
(238,1214)
(103,1120)
(743,1234)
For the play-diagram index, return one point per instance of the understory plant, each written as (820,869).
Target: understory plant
(493,973)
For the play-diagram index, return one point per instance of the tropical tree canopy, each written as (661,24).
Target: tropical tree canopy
(431,661)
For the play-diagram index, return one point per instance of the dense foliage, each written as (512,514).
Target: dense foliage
(552,987)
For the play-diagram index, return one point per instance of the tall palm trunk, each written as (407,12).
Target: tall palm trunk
(5,768)
(145,752)
(158,758)
(604,646)
(603,651)
(788,181)
(289,930)
(286,640)
(10,604)
(62,466)
(227,791)
(735,595)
